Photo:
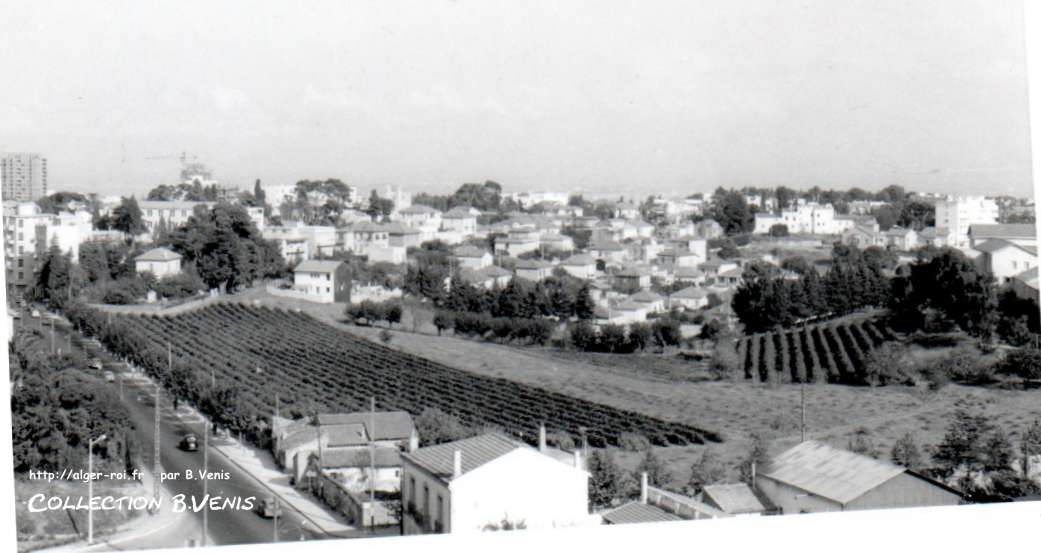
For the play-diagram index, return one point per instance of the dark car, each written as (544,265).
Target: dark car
(189,443)
(267,508)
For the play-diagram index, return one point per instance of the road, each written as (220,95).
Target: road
(225,526)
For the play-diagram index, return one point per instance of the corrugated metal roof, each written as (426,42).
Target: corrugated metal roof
(636,512)
(440,459)
(735,499)
(831,473)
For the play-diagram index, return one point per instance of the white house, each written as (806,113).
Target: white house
(691,298)
(808,218)
(323,281)
(608,251)
(580,266)
(533,269)
(518,241)
(904,239)
(1025,284)
(471,257)
(1005,259)
(460,219)
(420,217)
(160,262)
(650,301)
(476,484)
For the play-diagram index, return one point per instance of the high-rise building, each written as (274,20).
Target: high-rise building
(956,213)
(24,177)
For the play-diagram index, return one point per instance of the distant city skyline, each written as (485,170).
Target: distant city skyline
(601,97)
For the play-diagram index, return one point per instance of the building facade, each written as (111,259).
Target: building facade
(24,177)
(958,212)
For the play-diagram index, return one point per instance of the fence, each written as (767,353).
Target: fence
(163,309)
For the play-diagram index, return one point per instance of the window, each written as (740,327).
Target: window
(21,275)
(440,512)
(21,262)
(426,499)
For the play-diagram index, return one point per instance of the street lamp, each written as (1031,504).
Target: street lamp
(90,487)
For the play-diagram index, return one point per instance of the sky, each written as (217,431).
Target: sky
(599,96)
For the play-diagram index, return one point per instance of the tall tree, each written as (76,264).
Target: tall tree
(126,217)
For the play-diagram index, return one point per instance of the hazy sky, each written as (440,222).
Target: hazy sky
(629,97)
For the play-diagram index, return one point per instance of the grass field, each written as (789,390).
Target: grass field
(680,391)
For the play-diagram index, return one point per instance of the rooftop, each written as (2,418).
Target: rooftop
(735,499)
(831,473)
(636,512)
(316,266)
(1020,231)
(439,459)
(158,254)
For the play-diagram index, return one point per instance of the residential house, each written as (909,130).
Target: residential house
(293,442)
(1025,285)
(488,277)
(1005,259)
(473,258)
(632,279)
(160,262)
(733,499)
(672,258)
(627,312)
(533,269)
(556,242)
(479,483)
(730,277)
(626,210)
(808,218)
(609,252)
(460,219)
(690,275)
(421,217)
(323,281)
(691,298)
(362,484)
(814,477)
(651,301)
(580,266)
(518,241)
(715,267)
(404,236)
(1024,234)
(708,229)
(863,237)
(321,239)
(659,505)
(904,239)
(938,237)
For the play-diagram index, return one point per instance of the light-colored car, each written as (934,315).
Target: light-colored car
(110,376)
(35,314)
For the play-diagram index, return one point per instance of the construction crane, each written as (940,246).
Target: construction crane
(190,166)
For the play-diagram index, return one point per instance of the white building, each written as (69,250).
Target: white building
(460,219)
(421,217)
(29,233)
(473,258)
(957,213)
(176,213)
(528,199)
(323,281)
(691,298)
(475,484)
(321,240)
(580,266)
(276,195)
(1005,259)
(160,262)
(1024,234)
(808,218)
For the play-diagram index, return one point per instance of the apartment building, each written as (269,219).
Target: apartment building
(23,177)
(957,213)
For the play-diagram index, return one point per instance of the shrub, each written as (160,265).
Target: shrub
(964,365)
(887,364)
(1024,363)
(633,441)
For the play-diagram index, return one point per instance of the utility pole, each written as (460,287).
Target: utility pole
(802,398)
(275,517)
(52,336)
(205,478)
(90,487)
(372,451)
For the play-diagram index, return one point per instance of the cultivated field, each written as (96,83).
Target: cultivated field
(660,387)
(264,351)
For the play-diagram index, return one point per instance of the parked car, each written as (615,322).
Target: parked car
(96,364)
(35,314)
(189,442)
(267,508)
(110,376)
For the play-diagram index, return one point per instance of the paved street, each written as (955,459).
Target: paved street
(225,527)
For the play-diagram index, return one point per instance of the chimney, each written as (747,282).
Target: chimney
(413,440)
(542,437)
(578,458)
(643,487)
(457,464)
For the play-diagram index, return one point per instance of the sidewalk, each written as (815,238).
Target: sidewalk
(141,527)
(261,466)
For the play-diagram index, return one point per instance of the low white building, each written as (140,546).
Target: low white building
(691,298)
(533,269)
(160,262)
(808,218)
(1005,259)
(476,484)
(460,219)
(580,266)
(323,281)
(473,258)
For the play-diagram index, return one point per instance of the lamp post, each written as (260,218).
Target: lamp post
(90,487)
